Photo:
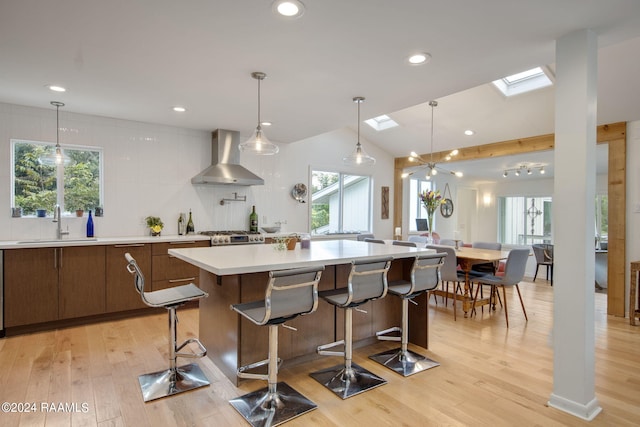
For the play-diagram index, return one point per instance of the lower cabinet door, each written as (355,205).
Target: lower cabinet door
(82,281)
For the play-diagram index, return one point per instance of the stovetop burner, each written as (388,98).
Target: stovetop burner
(233,237)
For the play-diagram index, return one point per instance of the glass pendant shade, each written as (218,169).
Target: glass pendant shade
(56,157)
(258,143)
(359,157)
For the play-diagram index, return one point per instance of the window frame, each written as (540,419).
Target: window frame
(60,182)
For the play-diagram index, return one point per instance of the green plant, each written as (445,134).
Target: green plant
(154,223)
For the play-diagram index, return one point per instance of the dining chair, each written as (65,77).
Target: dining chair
(513,274)
(488,267)
(417,239)
(436,236)
(447,242)
(544,256)
(449,273)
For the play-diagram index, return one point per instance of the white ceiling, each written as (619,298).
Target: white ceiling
(135,60)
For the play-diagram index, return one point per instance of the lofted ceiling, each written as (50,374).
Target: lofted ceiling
(135,60)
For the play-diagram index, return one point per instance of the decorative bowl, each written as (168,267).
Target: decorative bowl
(271,229)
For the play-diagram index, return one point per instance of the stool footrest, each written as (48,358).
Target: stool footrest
(323,349)
(242,370)
(191,354)
(383,335)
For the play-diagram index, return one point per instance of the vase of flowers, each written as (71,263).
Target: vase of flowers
(155,225)
(431,200)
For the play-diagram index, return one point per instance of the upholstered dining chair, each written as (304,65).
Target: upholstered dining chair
(544,256)
(449,273)
(488,267)
(513,274)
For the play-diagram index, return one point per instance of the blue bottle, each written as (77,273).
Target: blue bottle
(90,226)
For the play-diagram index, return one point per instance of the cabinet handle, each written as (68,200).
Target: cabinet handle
(132,245)
(182,243)
(188,279)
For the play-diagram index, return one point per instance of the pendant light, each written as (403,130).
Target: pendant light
(359,156)
(58,157)
(258,143)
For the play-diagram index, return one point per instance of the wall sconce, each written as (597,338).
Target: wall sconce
(486,199)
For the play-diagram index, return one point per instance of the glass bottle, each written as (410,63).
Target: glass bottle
(181,224)
(90,225)
(190,228)
(253,221)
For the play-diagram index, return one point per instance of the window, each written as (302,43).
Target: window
(340,203)
(416,208)
(381,122)
(602,218)
(524,220)
(526,81)
(76,184)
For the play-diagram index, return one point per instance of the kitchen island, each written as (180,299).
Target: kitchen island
(235,274)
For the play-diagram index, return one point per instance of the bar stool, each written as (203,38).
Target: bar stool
(424,278)
(367,281)
(289,293)
(175,379)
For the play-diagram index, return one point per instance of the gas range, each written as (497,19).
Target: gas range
(233,237)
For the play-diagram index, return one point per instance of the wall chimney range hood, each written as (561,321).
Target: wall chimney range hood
(225,162)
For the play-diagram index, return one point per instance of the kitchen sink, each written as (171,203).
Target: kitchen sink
(90,239)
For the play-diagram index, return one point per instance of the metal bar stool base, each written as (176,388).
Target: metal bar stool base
(159,384)
(261,408)
(407,363)
(345,386)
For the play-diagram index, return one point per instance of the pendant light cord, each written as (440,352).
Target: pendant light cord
(259,124)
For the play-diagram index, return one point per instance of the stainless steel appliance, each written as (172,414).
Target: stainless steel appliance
(233,237)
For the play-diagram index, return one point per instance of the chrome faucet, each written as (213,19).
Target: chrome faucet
(58,218)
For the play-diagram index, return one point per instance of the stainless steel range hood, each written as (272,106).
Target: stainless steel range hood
(225,162)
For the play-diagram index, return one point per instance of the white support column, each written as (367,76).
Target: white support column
(574,225)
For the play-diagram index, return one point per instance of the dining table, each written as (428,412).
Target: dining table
(467,257)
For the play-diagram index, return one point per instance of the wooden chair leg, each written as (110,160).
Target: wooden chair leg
(522,304)
(506,312)
(475,297)
(536,275)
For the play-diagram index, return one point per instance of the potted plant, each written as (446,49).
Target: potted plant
(155,225)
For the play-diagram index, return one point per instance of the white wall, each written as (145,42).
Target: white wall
(148,171)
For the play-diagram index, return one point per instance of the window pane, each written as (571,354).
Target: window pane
(35,184)
(524,220)
(357,209)
(324,202)
(416,208)
(82,180)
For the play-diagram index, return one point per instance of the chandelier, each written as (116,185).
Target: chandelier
(431,166)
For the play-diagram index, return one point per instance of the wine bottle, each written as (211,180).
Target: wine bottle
(90,225)
(253,221)
(190,228)
(181,225)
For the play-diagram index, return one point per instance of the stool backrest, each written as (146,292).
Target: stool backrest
(368,279)
(374,240)
(449,269)
(405,243)
(138,277)
(424,272)
(292,292)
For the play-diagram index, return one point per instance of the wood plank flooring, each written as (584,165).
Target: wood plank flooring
(489,376)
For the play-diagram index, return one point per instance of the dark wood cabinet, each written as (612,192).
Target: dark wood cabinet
(167,270)
(30,286)
(81,281)
(121,294)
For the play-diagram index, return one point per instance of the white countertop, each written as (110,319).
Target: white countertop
(45,243)
(225,260)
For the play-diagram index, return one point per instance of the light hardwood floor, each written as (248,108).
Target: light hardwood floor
(488,375)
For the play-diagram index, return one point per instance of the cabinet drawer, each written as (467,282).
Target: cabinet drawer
(162,248)
(166,267)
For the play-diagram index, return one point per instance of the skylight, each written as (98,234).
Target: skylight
(526,81)
(381,122)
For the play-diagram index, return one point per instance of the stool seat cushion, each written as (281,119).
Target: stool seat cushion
(339,297)
(400,287)
(173,296)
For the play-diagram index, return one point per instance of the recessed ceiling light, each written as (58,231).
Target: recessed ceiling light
(469,132)
(179,109)
(289,8)
(57,88)
(419,58)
